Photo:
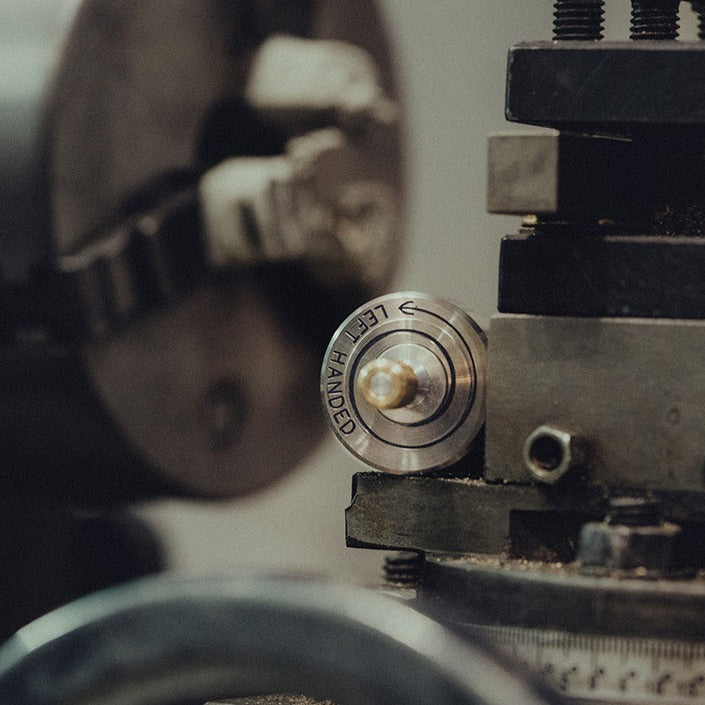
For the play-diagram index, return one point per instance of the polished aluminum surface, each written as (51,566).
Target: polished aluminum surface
(446,349)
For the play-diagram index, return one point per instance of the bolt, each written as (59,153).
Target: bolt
(387,384)
(578,19)
(550,452)
(654,19)
(699,10)
(403,568)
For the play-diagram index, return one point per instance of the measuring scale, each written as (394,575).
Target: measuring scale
(608,668)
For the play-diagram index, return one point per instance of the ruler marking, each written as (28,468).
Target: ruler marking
(601,668)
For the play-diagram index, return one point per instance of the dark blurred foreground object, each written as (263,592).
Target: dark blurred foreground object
(189,200)
(177,642)
(52,555)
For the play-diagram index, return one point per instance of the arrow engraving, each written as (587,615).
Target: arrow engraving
(408,308)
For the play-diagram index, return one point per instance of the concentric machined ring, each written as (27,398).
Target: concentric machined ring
(442,346)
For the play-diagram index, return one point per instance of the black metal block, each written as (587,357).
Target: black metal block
(460,516)
(457,515)
(572,176)
(606,85)
(617,276)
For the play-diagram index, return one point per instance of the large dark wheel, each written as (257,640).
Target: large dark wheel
(186,642)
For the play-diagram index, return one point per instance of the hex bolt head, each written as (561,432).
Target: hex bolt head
(550,452)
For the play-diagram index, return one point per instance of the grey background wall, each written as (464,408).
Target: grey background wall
(451,58)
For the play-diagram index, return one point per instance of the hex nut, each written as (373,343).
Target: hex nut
(550,452)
